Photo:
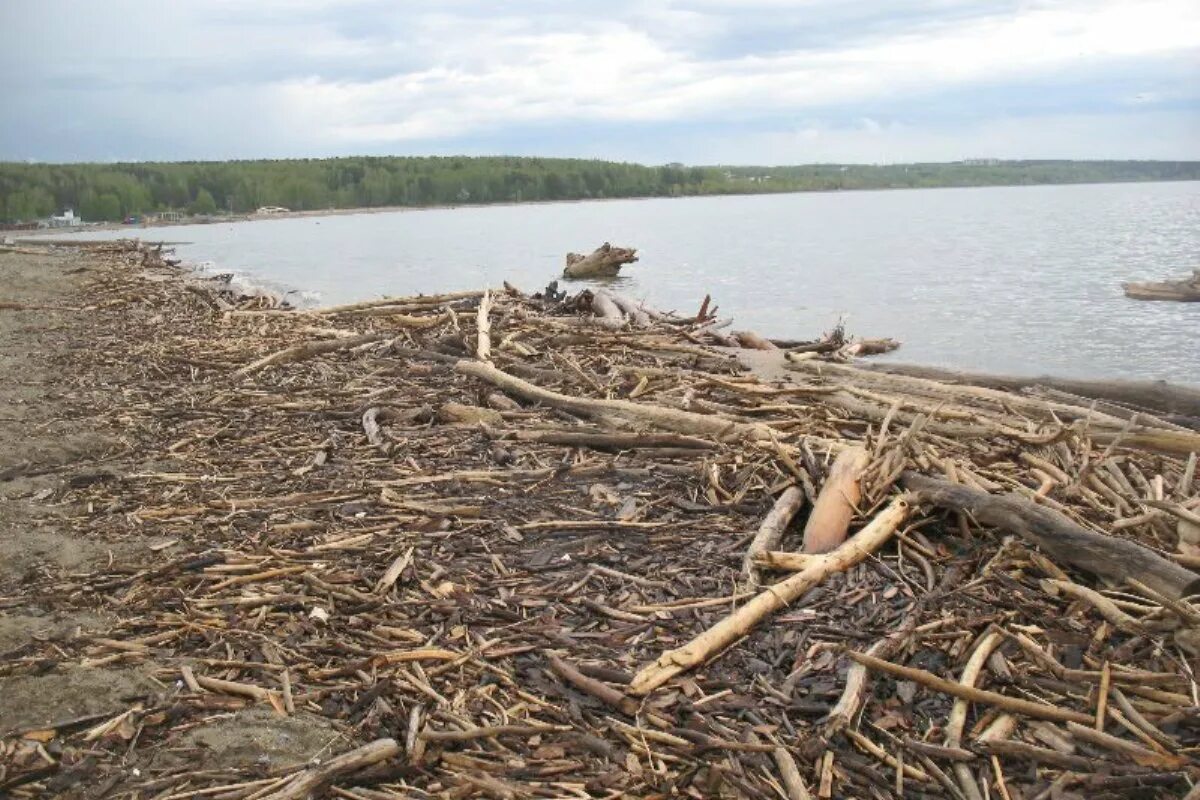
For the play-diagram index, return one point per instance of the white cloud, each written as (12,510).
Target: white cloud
(328,76)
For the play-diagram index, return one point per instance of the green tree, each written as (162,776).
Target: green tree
(204,203)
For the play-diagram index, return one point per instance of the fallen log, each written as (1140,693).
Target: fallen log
(685,422)
(1157,396)
(1106,556)
(742,621)
(752,341)
(838,500)
(603,262)
(771,531)
(613,442)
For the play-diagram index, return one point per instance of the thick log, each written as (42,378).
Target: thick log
(838,500)
(603,262)
(1183,291)
(1157,396)
(742,621)
(607,313)
(771,531)
(1105,556)
(752,341)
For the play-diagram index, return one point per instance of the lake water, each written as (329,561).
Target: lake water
(1019,280)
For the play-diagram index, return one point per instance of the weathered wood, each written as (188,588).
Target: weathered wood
(771,531)
(837,502)
(742,621)
(1186,290)
(671,419)
(603,262)
(1066,541)
(313,779)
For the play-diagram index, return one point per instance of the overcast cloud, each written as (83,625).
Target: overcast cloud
(700,81)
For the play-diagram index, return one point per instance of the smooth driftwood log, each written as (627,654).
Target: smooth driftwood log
(1186,290)
(1105,556)
(603,262)
(311,780)
(752,341)
(771,531)
(685,422)
(742,621)
(608,314)
(1158,396)
(838,500)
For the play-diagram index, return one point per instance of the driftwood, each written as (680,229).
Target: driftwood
(1156,396)
(670,419)
(742,621)
(308,782)
(1186,290)
(1107,556)
(771,531)
(603,262)
(835,506)
(302,352)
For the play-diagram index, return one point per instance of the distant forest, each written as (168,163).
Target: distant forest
(112,191)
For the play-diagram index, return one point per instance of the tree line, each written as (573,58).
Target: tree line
(100,192)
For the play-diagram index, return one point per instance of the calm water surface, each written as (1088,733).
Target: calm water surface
(1020,280)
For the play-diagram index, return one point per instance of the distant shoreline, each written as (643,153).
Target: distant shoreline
(357,210)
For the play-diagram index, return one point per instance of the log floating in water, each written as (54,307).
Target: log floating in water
(603,262)
(1186,290)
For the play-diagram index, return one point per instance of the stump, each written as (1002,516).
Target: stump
(603,262)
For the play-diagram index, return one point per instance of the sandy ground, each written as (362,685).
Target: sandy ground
(52,437)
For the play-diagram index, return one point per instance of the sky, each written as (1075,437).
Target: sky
(652,81)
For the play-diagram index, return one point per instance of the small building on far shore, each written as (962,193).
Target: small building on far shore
(67,219)
(272,210)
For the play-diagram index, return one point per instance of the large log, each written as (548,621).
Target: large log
(1106,556)
(1158,396)
(603,262)
(1183,291)
(835,506)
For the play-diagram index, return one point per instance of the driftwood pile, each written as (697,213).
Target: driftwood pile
(511,545)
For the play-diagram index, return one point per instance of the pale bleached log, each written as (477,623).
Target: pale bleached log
(837,502)
(685,422)
(770,532)
(483,327)
(739,623)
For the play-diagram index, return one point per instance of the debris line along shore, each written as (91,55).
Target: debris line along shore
(519,544)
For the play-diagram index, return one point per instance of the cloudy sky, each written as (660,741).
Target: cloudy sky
(699,81)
